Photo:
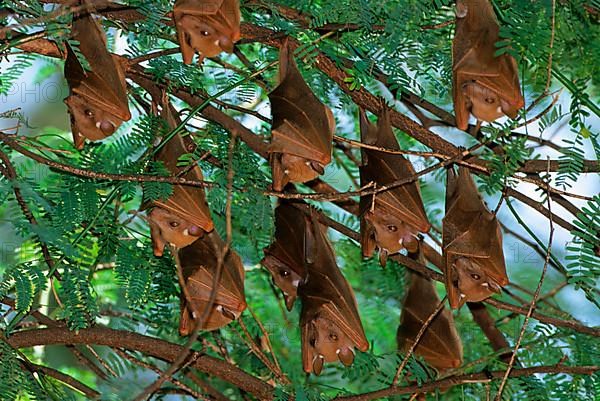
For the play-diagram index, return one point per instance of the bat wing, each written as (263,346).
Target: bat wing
(440,345)
(384,168)
(104,84)
(187,202)
(302,125)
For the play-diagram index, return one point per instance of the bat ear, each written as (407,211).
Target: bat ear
(368,134)
(158,243)
(367,237)
(461,105)
(280,178)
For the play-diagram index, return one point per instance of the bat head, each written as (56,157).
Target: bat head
(291,168)
(390,233)
(284,277)
(208,27)
(89,120)
(327,343)
(203,37)
(169,228)
(486,104)
(218,317)
(471,281)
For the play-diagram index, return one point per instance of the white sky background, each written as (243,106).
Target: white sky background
(42,104)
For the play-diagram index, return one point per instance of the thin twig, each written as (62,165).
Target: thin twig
(532,306)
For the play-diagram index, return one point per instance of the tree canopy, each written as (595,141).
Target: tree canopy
(88,310)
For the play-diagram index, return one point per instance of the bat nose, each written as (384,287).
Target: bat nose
(107,127)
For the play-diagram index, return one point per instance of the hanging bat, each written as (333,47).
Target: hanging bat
(199,263)
(329,320)
(208,27)
(472,242)
(284,258)
(184,216)
(440,344)
(393,221)
(485,85)
(97,100)
(302,130)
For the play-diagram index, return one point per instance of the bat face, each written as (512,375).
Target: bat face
(485,104)
(89,120)
(440,344)
(168,228)
(285,278)
(393,221)
(199,263)
(302,129)
(290,168)
(471,280)
(207,27)
(391,233)
(328,344)
(474,266)
(483,84)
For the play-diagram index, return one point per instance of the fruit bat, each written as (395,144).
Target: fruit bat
(199,263)
(396,217)
(472,243)
(485,85)
(97,98)
(208,27)
(284,258)
(440,344)
(184,216)
(329,320)
(302,130)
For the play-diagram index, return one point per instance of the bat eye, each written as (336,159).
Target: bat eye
(475,276)
(284,273)
(204,33)
(392,228)
(490,100)
(174,224)
(333,337)
(89,113)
